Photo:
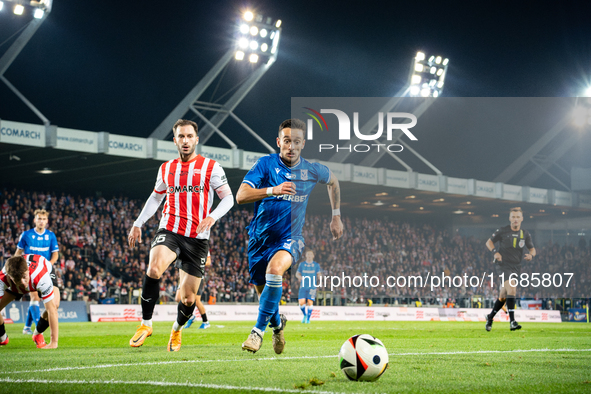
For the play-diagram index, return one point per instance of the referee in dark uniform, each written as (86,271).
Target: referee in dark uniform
(511,241)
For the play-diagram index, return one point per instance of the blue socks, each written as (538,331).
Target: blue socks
(33,314)
(269,302)
(303,309)
(309,314)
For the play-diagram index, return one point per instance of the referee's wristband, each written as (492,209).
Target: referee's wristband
(336,212)
(269,191)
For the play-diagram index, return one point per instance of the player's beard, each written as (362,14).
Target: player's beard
(185,156)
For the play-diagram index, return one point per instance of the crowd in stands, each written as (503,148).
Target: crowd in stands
(95,262)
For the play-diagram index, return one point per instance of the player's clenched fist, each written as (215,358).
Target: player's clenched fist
(285,188)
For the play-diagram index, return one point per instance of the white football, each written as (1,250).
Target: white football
(363,357)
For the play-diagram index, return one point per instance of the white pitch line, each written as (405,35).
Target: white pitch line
(288,358)
(165,384)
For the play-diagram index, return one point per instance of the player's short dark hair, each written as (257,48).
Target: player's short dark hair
(185,122)
(16,267)
(516,209)
(41,212)
(293,124)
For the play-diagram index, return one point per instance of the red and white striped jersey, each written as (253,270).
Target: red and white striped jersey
(189,188)
(39,278)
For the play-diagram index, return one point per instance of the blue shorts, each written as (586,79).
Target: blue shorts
(259,256)
(307,293)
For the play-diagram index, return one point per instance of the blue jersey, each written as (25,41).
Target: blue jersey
(309,271)
(43,244)
(282,217)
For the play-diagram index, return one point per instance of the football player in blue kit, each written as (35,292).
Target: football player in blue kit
(42,242)
(279,185)
(309,277)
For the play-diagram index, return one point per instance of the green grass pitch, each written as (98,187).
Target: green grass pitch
(429,357)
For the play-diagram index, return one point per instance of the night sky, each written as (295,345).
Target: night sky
(121,67)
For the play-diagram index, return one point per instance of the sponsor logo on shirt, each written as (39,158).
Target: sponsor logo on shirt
(185,189)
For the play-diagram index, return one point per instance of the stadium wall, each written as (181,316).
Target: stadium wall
(122,313)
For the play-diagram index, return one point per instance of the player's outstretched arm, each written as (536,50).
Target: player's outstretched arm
(150,208)
(53,323)
(247,194)
(334,193)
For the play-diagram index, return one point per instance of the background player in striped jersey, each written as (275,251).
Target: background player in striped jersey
(41,241)
(31,273)
(198,303)
(279,185)
(309,276)
(189,183)
(511,241)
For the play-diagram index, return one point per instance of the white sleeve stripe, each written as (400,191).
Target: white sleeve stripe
(249,183)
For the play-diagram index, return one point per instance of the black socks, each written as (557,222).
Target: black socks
(150,294)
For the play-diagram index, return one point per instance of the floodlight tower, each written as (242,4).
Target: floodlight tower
(426,79)
(541,158)
(40,10)
(427,76)
(256,41)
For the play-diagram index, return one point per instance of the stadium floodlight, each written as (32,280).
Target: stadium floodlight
(278,24)
(254,30)
(239,55)
(1,5)
(254,45)
(263,33)
(588,92)
(18,9)
(430,74)
(253,58)
(244,28)
(243,42)
(264,47)
(248,16)
(38,13)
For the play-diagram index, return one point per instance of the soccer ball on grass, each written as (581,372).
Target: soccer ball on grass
(363,357)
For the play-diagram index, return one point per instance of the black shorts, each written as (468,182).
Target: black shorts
(191,253)
(507,270)
(18,296)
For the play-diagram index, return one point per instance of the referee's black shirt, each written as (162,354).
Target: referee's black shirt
(511,244)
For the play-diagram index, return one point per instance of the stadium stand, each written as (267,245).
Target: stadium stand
(96,265)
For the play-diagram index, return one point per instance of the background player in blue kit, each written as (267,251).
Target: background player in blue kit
(43,242)
(309,276)
(279,185)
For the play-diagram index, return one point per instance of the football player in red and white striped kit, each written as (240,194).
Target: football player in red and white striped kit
(24,274)
(188,183)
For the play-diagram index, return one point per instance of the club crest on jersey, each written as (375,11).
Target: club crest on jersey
(304,175)
(185,189)
(46,237)
(522,243)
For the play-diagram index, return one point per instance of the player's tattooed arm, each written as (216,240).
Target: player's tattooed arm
(334,193)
